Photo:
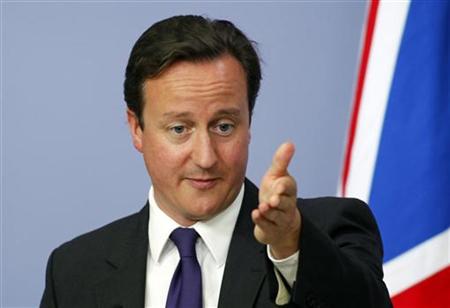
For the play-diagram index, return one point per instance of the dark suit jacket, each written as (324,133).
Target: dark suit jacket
(340,262)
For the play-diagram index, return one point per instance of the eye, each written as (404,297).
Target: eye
(224,129)
(178,129)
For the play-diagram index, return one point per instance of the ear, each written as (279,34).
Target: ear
(135,130)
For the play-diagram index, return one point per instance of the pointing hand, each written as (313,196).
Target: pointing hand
(277,218)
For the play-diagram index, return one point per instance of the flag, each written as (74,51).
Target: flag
(398,149)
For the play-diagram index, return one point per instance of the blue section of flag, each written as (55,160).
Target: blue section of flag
(410,193)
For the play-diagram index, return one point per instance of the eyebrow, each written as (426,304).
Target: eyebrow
(175,114)
(234,112)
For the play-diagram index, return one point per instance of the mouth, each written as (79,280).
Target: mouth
(202,184)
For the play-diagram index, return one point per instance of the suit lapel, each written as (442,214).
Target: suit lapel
(245,266)
(125,286)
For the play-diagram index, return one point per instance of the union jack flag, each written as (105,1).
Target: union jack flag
(398,149)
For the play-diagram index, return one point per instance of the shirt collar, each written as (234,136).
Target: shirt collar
(216,232)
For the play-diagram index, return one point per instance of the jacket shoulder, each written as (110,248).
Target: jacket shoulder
(88,258)
(330,202)
(324,210)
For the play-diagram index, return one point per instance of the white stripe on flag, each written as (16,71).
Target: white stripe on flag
(390,22)
(418,263)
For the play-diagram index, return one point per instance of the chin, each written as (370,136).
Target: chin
(206,211)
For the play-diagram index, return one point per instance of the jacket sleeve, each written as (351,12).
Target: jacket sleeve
(48,298)
(340,262)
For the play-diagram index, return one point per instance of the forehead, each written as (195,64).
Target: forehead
(220,67)
(203,84)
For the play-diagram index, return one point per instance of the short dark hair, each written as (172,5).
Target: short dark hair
(187,38)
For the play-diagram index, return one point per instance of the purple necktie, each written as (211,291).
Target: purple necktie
(186,286)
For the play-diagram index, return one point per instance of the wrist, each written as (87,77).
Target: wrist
(286,248)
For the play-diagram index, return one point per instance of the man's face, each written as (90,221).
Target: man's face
(195,137)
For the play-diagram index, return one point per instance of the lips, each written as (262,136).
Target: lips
(202,184)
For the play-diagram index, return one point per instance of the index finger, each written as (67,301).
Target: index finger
(281,159)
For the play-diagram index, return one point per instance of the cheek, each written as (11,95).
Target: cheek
(235,154)
(162,160)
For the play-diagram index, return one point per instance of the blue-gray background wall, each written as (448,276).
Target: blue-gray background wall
(67,163)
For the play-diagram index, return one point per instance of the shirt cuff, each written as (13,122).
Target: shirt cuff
(287,267)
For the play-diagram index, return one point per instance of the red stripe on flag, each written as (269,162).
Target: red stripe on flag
(433,292)
(359,87)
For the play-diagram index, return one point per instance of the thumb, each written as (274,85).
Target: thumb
(281,159)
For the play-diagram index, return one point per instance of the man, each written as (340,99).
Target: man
(207,237)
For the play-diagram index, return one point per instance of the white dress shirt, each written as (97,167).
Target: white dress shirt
(211,247)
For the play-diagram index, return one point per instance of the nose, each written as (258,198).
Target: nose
(204,152)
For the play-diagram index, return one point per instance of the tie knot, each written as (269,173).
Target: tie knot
(185,239)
